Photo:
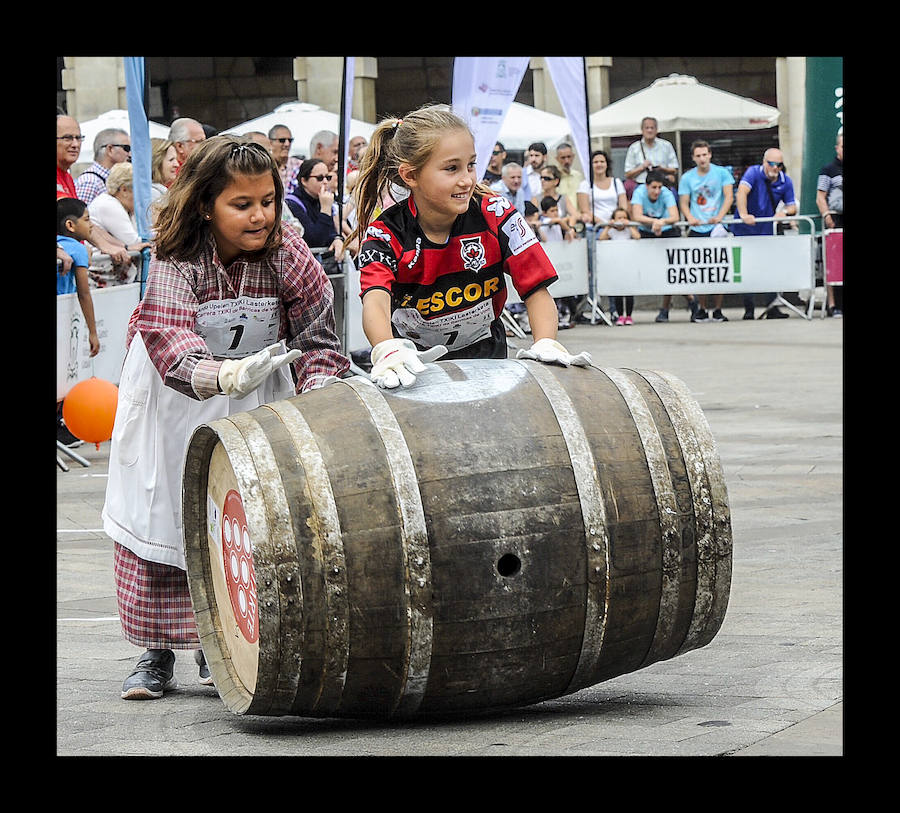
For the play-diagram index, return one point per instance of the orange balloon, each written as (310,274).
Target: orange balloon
(89,410)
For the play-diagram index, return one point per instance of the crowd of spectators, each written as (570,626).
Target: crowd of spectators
(655,199)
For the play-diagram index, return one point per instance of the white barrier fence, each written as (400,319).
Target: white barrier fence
(684,265)
(112,310)
(679,265)
(690,265)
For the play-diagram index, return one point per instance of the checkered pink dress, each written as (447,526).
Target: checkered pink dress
(154,603)
(153,599)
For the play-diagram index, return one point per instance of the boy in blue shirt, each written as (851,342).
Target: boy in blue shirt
(73,225)
(705,194)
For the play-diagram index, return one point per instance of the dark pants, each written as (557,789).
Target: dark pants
(624,305)
(670,232)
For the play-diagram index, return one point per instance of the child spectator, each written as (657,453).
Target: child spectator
(620,229)
(73,226)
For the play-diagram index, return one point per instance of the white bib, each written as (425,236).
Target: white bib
(453,330)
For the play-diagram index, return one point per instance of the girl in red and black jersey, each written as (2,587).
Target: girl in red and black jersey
(433,266)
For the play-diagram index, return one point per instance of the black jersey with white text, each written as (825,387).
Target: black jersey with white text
(453,294)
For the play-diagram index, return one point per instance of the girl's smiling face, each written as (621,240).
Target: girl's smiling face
(243,215)
(443,187)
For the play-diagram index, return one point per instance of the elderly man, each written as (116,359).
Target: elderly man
(68,148)
(280,140)
(651,153)
(765,190)
(324,146)
(111,146)
(186,134)
(511,187)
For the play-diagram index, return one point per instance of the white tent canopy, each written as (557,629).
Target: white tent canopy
(682,103)
(525,125)
(304,120)
(111,118)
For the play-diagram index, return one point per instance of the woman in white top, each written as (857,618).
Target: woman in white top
(113,210)
(608,193)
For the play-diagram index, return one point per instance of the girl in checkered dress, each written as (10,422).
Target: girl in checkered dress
(237,313)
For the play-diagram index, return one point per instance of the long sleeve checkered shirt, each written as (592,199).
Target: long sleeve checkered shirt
(175,289)
(91,182)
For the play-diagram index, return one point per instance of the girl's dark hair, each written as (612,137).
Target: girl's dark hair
(68,209)
(395,141)
(181,226)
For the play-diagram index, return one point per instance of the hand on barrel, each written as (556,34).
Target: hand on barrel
(239,378)
(395,360)
(551,351)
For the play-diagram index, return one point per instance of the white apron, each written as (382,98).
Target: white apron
(154,423)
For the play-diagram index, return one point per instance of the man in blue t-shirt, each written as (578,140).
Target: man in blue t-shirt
(762,190)
(705,195)
(654,209)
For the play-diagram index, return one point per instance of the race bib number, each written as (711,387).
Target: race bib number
(234,328)
(453,330)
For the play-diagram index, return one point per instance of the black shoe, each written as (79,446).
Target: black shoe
(700,315)
(205,677)
(748,315)
(153,674)
(774,313)
(718,316)
(663,315)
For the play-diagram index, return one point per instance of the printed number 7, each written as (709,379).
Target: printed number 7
(451,337)
(238,332)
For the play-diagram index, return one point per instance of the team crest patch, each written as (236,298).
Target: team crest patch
(472,252)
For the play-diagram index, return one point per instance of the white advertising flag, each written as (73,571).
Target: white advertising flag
(483,89)
(567,73)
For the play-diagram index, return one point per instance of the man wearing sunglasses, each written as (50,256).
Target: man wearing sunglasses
(280,141)
(765,190)
(111,146)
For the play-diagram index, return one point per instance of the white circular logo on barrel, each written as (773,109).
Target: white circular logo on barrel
(237,555)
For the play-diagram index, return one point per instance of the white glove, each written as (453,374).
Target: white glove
(550,351)
(239,378)
(395,360)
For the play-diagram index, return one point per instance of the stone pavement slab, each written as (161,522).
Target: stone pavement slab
(769,684)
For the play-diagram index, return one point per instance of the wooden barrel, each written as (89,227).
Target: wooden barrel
(504,532)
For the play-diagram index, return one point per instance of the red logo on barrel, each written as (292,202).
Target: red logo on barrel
(237,556)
